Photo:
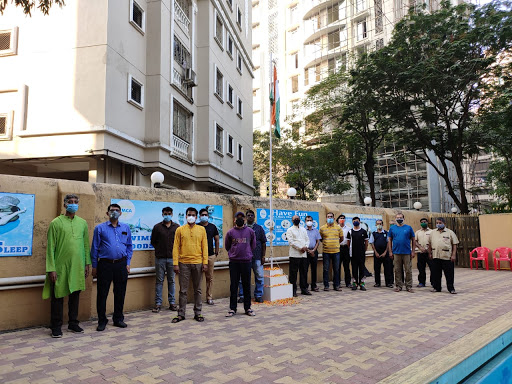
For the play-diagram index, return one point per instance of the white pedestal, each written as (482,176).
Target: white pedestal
(276,286)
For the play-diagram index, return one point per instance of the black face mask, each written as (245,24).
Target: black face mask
(239,222)
(296,221)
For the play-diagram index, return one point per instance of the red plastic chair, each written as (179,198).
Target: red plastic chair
(482,253)
(501,254)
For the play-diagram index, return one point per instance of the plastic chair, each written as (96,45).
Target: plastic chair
(501,254)
(482,253)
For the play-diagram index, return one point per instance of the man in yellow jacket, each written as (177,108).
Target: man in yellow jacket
(190,260)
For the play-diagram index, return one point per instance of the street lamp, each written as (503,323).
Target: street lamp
(292,192)
(367,201)
(157,178)
(454,210)
(417,205)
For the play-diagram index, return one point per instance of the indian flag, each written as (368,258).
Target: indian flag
(275,103)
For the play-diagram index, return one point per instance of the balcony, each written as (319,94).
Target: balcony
(178,79)
(180,147)
(313,6)
(181,18)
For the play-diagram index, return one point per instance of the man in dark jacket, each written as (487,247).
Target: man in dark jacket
(379,242)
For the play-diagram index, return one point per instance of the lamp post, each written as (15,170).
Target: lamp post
(417,205)
(157,178)
(367,201)
(454,210)
(292,192)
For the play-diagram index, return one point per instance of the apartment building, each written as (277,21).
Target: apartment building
(111,91)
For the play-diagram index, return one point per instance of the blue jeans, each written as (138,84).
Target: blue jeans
(163,265)
(333,258)
(258,279)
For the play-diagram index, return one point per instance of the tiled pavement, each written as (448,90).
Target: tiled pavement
(330,337)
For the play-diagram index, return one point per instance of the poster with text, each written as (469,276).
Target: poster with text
(282,221)
(16,224)
(367,221)
(142,216)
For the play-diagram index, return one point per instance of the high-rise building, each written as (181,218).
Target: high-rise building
(111,91)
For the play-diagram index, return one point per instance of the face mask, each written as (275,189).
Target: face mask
(330,220)
(203,219)
(191,219)
(424,225)
(309,223)
(342,221)
(296,222)
(239,222)
(379,226)
(115,215)
(399,221)
(356,223)
(72,208)
(440,226)
(167,218)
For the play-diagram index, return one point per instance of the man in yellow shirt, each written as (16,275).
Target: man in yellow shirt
(190,259)
(443,250)
(332,236)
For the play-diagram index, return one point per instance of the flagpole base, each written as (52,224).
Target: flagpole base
(276,285)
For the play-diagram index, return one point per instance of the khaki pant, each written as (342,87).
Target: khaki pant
(209,277)
(401,263)
(187,272)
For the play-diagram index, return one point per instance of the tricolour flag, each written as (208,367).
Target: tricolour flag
(275,104)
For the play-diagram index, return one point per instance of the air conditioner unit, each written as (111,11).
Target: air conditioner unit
(190,77)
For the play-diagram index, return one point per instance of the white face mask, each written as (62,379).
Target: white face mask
(309,223)
(191,219)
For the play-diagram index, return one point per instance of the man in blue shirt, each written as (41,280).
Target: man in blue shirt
(258,258)
(111,254)
(314,242)
(401,250)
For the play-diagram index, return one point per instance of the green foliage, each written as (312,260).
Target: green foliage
(28,5)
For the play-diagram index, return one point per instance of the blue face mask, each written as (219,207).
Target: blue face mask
(203,219)
(356,223)
(167,218)
(440,226)
(330,220)
(72,208)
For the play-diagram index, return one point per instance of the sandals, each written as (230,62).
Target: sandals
(199,318)
(177,319)
(156,309)
(410,290)
(398,289)
(250,312)
(230,313)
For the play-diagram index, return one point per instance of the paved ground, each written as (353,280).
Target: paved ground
(331,337)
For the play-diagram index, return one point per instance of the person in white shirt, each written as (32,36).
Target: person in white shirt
(344,250)
(299,241)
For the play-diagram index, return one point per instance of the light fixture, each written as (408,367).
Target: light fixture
(292,192)
(367,201)
(454,210)
(417,205)
(157,178)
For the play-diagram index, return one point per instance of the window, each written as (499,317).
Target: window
(379,26)
(219,32)
(137,17)
(239,17)
(239,107)
(240,155)
(306,76)
(295,83)
(294,61)
(230,45)
(231,145)
(185,7)
(6,126)
(135,92)
(294,14)
(181,122)
(219,84)
(343,37)
(230,95)
(181,54)
(360,5)
(9,42)
(333,40)
(239,62)
(219,139)
(379,44)
(361,30)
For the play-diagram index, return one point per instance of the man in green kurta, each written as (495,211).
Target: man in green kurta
(68,263)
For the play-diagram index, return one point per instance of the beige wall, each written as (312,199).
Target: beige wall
(22,307)
(495,233)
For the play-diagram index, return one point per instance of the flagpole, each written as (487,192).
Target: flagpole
(270,173)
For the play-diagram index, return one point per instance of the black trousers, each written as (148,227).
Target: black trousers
(387,263)
(358,267)
(345,260)
(57,309)
(239,271)
(106,274)
(313,263)
(299,264)
(423,261)
(438,267)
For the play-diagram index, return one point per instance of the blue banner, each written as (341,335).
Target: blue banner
(282,221)
(16,224)
(142,216)
(367,221)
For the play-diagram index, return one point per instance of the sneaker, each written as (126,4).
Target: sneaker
(362,287)
(354,287)
(258,299)
(316,289)
(241,300)
(390,286)
(75,328)
(376,285)
(326,288)
(209,302)
(420,285)
(56,333)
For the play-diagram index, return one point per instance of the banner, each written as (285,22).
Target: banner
(282,221)
(16,224)
(367,221)
(142,216)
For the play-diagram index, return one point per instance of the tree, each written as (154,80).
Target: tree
(431,81)
(27,5)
